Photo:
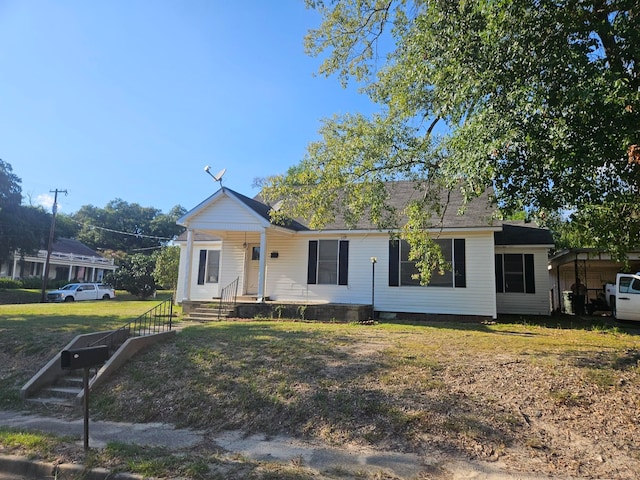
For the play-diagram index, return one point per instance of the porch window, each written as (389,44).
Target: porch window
(208,266)
(515,273)
(328,262)
(402,270)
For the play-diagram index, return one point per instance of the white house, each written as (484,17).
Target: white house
(70,260)
(497,267)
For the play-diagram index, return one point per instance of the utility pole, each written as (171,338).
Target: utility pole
(52,229)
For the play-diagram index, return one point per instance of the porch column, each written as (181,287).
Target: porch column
(263,262)
(15,266)
(186,294)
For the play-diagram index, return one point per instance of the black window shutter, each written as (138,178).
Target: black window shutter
(459,268)
(312,264)
(499,274)
(529,274)
(202,265)
(343,263)
(394,263)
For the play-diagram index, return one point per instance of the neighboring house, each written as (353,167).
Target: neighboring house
(594,267)
(499,267)
(70,260)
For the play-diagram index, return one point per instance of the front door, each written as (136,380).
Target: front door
(253,269)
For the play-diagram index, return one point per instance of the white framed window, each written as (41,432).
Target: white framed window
(328,262)
(402,270)
(209,266)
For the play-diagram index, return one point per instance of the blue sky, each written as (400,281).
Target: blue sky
(131,99)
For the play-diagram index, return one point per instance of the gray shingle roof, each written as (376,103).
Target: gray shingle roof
(477,213)
(263,210)
(75,247)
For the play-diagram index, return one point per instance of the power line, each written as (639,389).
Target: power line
(138,235)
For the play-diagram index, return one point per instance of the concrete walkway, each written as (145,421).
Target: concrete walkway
(256,447)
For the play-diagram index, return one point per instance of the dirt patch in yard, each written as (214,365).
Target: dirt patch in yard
(482,402)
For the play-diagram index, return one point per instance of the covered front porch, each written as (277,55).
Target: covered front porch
(215,261)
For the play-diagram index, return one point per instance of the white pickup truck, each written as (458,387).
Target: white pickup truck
(81,291)
(624,296)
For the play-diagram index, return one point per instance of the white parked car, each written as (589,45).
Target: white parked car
(81,291)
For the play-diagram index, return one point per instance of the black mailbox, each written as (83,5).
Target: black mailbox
(84,357)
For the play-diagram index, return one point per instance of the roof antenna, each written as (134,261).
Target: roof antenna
(218,176)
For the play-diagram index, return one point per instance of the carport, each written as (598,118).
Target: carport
(594,267)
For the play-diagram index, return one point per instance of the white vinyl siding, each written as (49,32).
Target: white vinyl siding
(205,291)
(521,303)
(286,279)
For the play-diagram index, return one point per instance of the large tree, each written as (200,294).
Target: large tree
(127,227)
(23,228)
(537,99)
(135,275)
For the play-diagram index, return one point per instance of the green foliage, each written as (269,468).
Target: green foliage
(36,282)
(8,283)
(30,442)
(538,100)
(144,227)
(22,228)
(167,265)
(135,275)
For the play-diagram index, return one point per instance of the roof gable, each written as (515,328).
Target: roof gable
(226,210)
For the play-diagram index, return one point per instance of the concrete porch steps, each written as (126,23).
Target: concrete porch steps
(63,392)
(209,313)
(54,385)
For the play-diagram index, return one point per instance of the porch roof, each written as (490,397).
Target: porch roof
(596,254)
(520,233)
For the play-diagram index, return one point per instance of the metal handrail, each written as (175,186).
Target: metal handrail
(228,296)
(151,321)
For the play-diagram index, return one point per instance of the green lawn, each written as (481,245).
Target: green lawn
(31,334)
(483,390)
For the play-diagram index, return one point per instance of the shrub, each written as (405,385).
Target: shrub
(32,282)
(9,284)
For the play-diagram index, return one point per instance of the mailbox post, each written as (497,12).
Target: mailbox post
(84,358)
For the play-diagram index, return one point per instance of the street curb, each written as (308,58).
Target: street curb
(35,469)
